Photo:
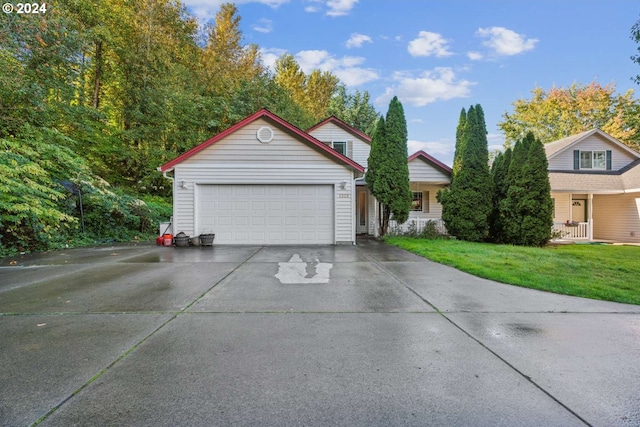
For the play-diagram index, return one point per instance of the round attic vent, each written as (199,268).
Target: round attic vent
(264,134)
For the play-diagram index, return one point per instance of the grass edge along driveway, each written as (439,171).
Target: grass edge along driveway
(603,272)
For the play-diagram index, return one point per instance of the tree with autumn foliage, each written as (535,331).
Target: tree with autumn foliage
(312,92)
(561,112)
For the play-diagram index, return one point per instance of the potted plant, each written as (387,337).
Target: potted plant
(206,239)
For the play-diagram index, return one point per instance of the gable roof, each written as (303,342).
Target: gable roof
(626,180)
(432,160)
(554,148)
(266,114)
(353,131)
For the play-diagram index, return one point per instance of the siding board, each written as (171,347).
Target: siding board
(617,217)
(419,170)
(358,150)
(564,160)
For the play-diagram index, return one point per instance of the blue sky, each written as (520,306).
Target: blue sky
(441,56)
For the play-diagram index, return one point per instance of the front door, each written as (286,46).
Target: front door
(579,210)
(361,210)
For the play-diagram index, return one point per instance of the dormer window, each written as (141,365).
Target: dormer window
(592,160)
(340,147)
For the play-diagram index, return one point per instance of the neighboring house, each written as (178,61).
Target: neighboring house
(595,186)
(265,181)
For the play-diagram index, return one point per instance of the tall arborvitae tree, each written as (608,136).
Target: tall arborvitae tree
(509,213)
(375,155)
(536,205)
(460,135)
(389,170)
(467,207)
(499,171)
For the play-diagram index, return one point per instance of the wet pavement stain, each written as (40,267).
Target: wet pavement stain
(523,330)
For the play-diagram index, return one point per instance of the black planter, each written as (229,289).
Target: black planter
(206,239)
(181,241)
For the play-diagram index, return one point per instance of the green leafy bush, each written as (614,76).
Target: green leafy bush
(37,213)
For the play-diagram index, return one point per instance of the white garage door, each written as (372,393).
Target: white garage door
(266,214)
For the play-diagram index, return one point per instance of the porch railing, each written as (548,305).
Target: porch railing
(416,225)
(573,231)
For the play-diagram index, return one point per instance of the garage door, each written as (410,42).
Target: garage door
(266,214)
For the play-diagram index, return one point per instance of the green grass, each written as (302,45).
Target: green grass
(604,272)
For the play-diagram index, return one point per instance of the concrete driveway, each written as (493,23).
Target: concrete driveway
(367,335)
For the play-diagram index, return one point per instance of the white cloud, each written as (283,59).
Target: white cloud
(355,76)
(206,10)
(346,68)
(340,7)
(429,44)
(475,56)
(356,40)
(495,141)
(442,151)
(311,59)
(431,86)
(269,56)
(505,42)
(263,26)
(335,7)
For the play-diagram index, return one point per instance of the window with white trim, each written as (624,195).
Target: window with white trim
(420,201)
(340,147)
(593,160)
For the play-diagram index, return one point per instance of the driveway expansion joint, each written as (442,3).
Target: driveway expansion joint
(174,315)
(468,334)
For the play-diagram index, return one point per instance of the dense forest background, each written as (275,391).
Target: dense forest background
(94,96)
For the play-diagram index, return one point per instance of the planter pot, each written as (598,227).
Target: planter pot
(206,239)
(194,241)
(181,241)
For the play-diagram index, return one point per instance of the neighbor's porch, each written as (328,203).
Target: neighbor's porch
(573,216)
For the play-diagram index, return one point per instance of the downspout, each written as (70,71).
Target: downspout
(173,193)
(354,202)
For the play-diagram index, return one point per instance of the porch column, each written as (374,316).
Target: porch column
(376,210)
(590,216)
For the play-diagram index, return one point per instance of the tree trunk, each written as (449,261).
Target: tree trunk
(383,219)
(96,81)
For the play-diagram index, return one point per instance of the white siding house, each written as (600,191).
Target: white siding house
(264,181)
(595,185)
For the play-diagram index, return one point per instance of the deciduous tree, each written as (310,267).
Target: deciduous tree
(354,109)
(561,112)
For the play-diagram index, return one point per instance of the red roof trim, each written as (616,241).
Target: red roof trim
(268,114)
(431,160)
(345,126)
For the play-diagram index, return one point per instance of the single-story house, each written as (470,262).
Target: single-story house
(595,186)
(265,181)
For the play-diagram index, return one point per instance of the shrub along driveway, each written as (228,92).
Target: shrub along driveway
(365,335)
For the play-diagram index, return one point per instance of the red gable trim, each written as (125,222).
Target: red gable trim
(431,160)
(278,120)
(343,125)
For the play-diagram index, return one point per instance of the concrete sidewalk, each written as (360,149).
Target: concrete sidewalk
(213,336)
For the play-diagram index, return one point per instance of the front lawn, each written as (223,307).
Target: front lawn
(604,272)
